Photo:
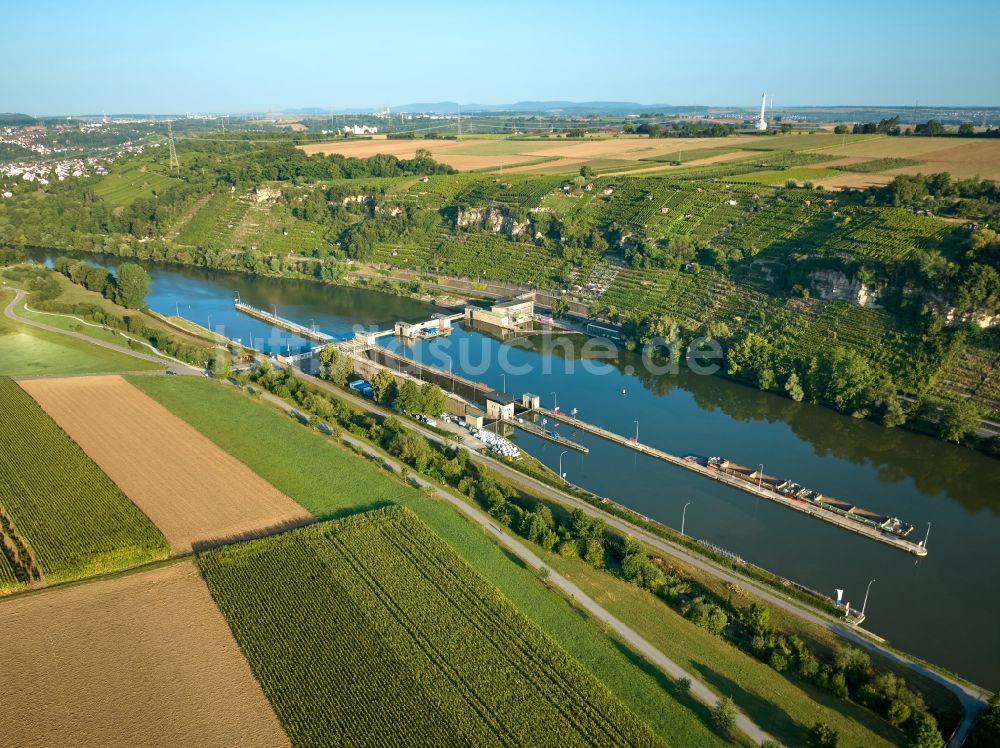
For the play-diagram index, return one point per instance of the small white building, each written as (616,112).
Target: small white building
(499,406)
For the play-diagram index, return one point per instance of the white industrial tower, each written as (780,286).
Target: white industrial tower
(761,122)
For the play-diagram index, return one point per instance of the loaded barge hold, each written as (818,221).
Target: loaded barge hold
(886,530)
(806,499)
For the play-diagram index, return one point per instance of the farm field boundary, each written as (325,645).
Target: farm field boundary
(62,518)
(195,493)
(375,625)
(140,659)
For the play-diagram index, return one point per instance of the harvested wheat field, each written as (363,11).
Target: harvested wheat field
(141,659)
(196,494)
(398,148)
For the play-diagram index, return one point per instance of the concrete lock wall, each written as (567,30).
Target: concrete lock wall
(366,369)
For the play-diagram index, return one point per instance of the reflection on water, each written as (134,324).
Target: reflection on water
(918,605)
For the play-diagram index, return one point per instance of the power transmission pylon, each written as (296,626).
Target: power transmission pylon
(175,165)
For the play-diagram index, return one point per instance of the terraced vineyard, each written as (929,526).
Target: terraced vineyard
(689,298)
(801,328)
(512,192)
(124,185)
(72,518)
(973,373)
(215,222)
(659,208)
(806,224)
(491,256)
(371,631)
(778,222)
(440,190)
(887,234)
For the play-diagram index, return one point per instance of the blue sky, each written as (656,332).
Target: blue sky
(217,55)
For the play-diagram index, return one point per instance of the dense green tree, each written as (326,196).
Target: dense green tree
(840,377)
(593,552)
(986,729)
(958,419)
(922,732)
(383,386)
(408,398)
(724,714)
(433,400)
(336,366)
(794,388)
(821,735)
(131,286)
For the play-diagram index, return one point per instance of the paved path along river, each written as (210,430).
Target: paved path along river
(970,698)
(918,604)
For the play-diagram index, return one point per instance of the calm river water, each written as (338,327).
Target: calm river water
(943,608)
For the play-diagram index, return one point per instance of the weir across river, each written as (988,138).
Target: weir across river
(285,324)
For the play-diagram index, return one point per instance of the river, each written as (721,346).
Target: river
(940,608)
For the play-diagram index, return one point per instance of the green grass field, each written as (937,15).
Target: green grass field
(125,185)
(370,630)
(310,469)
(27,351)
(691,154)
(780,177)
(74,520)
(783,707)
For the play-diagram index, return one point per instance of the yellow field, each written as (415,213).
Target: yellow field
(195,493)
(625,154)
(140,659)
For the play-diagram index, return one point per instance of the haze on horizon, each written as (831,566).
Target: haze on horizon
(232,56)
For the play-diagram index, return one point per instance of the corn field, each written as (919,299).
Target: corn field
(371,631)
(68,515)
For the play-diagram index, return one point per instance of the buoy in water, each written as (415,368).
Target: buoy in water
(623,390)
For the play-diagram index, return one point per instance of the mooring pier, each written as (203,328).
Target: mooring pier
(535,430)
(854,525)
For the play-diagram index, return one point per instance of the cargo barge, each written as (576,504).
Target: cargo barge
(796,492)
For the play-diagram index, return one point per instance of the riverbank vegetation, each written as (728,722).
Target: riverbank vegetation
(311,469)
(845,673)
(73,301)
(890,283)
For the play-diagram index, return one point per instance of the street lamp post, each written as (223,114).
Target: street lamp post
(683,515)
(760,474)
(555,405)
(561,473)
(636,432)
(866,598)
(504,383)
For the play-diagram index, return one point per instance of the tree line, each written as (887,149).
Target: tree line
(848,673)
